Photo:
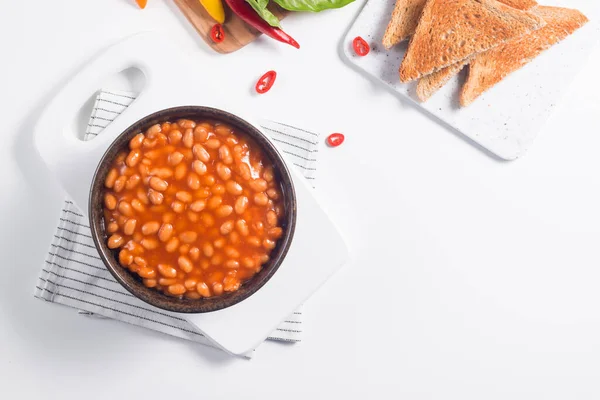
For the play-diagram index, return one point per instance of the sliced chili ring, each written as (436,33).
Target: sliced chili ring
(265,83)
(361,47)
(335,139)
(217,33)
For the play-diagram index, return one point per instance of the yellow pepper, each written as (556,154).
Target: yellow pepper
(214,9)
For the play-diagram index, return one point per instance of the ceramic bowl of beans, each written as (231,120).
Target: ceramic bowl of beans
(192,209)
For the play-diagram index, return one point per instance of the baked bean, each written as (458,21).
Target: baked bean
(234,238)
(258,227)
(192,216)
(150,282)
(136,141)
(162,173)
(241,204)
(233,264)
(133,158)
(214,202)
(248,262)
(268,174)
(242,227)
(222,130)
(207,219)
(223,211)
(185,264)
(231,284)
(204,264)
(190,284)
(125,257)
(198,205)
(172,245)
(243,170)
(144,168)
(153,131)
(150,228)
(263,259)
(165,232)
(155,197)
(231,252)
(226,227)
(111,178)
(217,289)
(148,143)
(112,227)
(125,208)
(268,244)
(152,155)
(271,218)
(261,199)
(231,141)
(167,271)
(275,233)
(208,250)
(193,181)
(180,171)
(253,241)
(158,184)
(192,295)
(175,137)
(273,194)
(129,226)
(223,171)
(115,241)
(178,207)
(147,273)
(135,248)
(132,182)
(149,243)
(188,236)
(217,259)
(120,183)
(188,138)
(233,188)
(218,189)
(138,206)
(203,289)
(195,253)
(167,281)
(175,158)
(208,180)
(258,185)
(186,123)
(140,261)
(201,153)
(213,144)
(200,134)
(137,236)
(110,201)
(278,210)
(142,196)
(225,154)
(219,243)
(166,127)
(184,196)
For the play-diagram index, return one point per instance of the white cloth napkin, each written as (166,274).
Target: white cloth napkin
(74,275)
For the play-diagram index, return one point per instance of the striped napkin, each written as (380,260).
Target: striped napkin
(74,275)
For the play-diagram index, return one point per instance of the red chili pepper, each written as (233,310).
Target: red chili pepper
(361,47)
(217,33)
(335,139)
(265,83)
(247,13)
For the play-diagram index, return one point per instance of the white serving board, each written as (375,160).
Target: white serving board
(317,250)
(507,118)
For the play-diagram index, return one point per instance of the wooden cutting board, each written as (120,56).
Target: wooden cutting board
(237,32)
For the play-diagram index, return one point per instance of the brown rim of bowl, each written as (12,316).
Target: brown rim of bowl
(132,282)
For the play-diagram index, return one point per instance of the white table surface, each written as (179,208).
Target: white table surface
(470,278)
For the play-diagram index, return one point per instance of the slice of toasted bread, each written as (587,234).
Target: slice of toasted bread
(407,13)
(431,83)
(403,22)
(491,67)
(451,30)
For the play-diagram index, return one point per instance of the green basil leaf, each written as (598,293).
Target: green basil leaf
(312,5)
(260,6)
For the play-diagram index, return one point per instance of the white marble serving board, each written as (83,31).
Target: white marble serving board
(507,118)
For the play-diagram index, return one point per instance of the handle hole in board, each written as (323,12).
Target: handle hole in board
(114,95)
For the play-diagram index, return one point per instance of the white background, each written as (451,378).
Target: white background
(470,278)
